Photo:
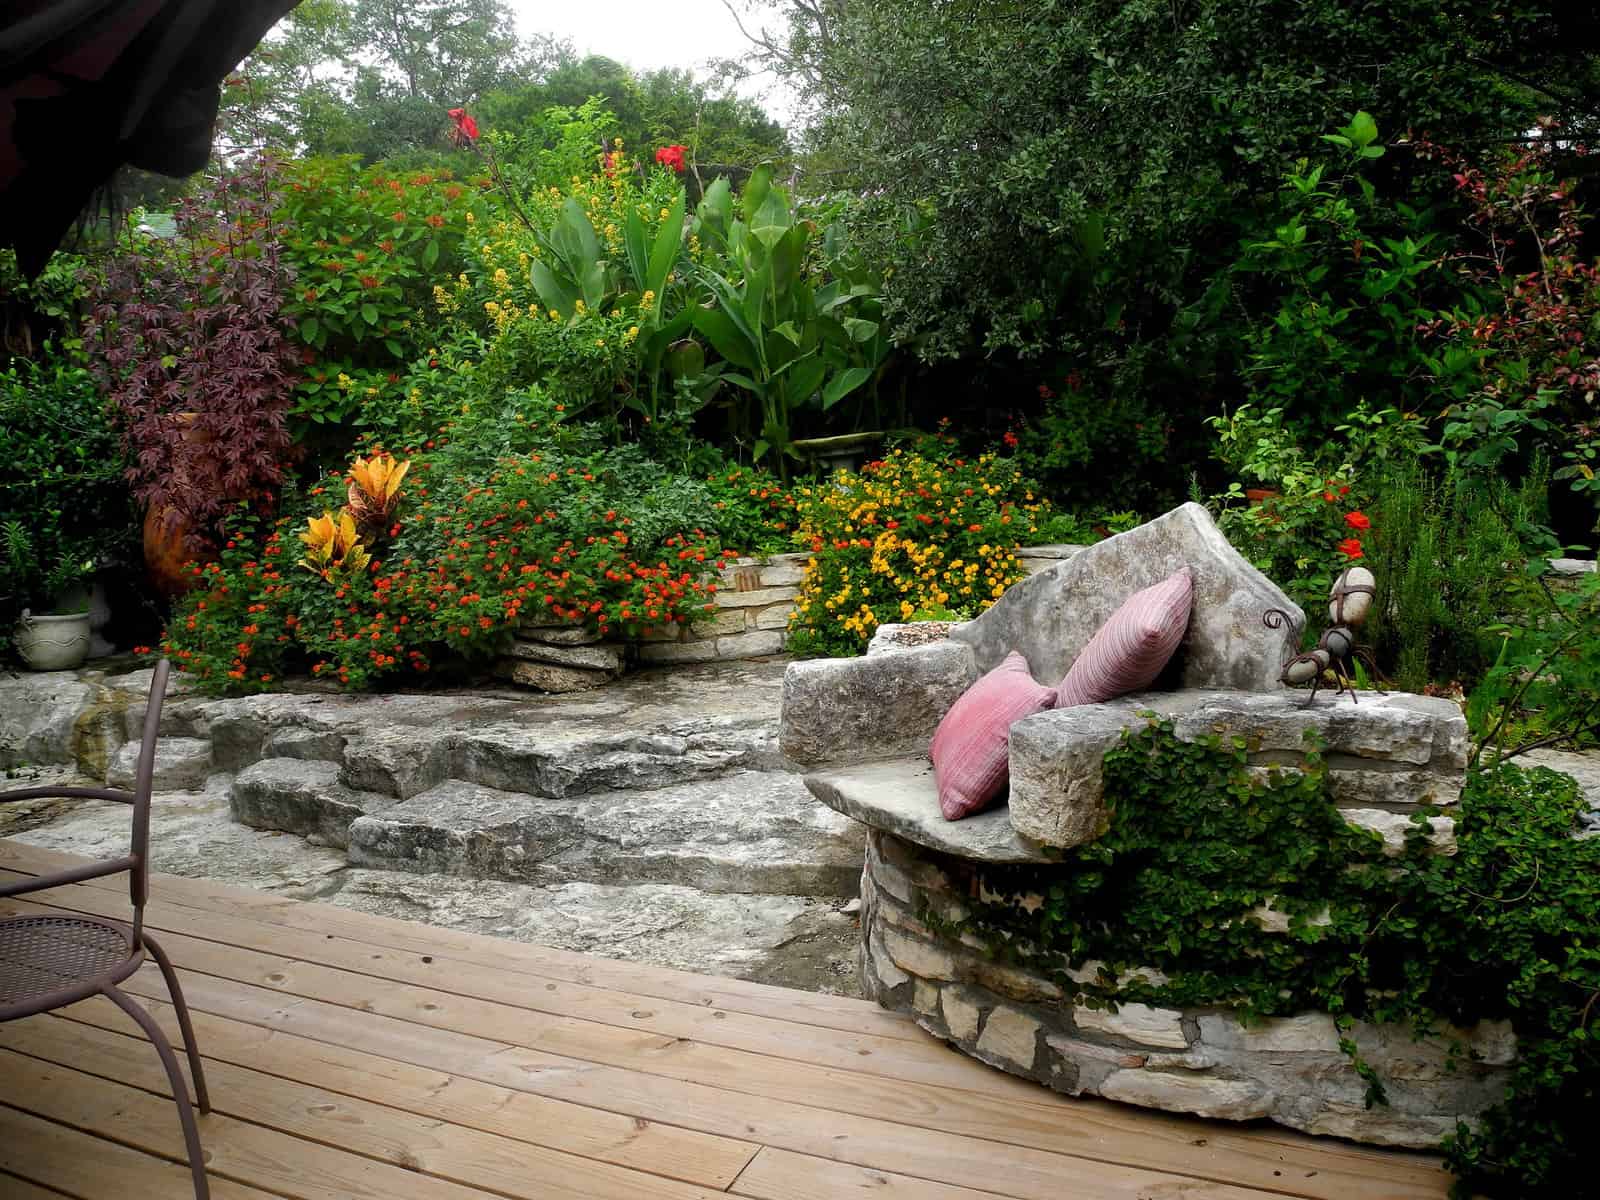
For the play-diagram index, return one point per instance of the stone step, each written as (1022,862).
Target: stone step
(301,796)
(557,762)
(748,832)
(182,764)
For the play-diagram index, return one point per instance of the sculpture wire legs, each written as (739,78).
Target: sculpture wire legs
(169,1060)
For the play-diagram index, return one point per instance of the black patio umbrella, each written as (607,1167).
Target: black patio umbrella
(88,85)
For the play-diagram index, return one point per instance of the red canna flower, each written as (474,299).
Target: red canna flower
(1350,548)
(1358,520)
(466,129)
(672,156)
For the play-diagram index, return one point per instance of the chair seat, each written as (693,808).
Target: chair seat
(43,956)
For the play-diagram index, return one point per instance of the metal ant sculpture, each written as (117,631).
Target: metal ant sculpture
(1337,651)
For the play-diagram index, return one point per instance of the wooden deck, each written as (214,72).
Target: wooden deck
(353,1056)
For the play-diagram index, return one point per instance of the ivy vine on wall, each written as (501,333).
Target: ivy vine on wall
(1506,928)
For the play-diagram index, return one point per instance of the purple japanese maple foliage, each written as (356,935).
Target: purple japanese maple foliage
(188,337)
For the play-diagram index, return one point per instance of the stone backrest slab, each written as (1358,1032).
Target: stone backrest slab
(1051,616)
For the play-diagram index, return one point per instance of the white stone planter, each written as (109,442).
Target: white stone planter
(53,643)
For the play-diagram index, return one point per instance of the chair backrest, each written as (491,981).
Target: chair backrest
(143,778)
(1051,616)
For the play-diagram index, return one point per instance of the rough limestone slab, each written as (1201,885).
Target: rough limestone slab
(757,598)
(961,1011)
(879,706)
(1397,750)
(1135,1022)
(1306,1033)
(899,797)
(1220,1099)
(182,764)
(1398,727)
(595,657)
(559,635)
(748,831)
(1052,615)
(547,677)
(39,714)
(755,644)
(1393,827)
(299,796)
(561,761)
(396,760)
(1011,1037)
(1057,776)
(888,639)
(776,617)
(670,653)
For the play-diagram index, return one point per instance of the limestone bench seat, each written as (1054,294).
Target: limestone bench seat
(861,729)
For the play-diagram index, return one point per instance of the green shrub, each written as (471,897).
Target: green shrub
(1448,553)
(64,505)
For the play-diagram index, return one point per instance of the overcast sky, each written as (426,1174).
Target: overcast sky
(646,34)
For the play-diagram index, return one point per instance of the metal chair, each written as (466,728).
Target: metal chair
(50,961)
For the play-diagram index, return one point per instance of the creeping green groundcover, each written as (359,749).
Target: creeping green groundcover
(1505,928)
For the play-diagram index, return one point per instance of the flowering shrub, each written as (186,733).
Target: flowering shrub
(366,246)
(509,515)
(924,532)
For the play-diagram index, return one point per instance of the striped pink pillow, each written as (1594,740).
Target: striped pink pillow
(970,748)
(1128,651)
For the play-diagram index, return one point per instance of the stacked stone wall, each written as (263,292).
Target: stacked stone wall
(1022,1019)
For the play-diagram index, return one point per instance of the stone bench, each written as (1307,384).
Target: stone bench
(861,727)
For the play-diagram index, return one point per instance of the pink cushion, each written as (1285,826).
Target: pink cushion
(970,748)
(1129,650)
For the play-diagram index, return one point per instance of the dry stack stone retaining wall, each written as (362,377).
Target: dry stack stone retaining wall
(755,598)
(1191,1060)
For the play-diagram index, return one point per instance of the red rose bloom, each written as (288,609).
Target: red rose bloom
(1358,520)
(1350,547)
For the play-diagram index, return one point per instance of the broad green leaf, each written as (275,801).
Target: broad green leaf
(755,191)
(842,384)
(1362,130)
(859,330)
(803,377)
(685,359)
(633,242)
(669,238)
(725,337)
(309,328)
(430,253)
(553,292)
(394,347)
(369,313)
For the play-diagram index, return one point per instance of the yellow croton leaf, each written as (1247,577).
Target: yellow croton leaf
(379,476)
(348,538)
(319,532)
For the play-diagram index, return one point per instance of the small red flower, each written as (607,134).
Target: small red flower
(1358,520)
(672,156)
(1350,548)
(1329,497)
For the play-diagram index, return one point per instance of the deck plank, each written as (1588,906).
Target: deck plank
(1026,1115)
(86,1167)
(478,1052)
(640,979)
(644,1145)
(362,1128)
(924,1061)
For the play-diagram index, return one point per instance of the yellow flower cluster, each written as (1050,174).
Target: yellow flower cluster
(917,533)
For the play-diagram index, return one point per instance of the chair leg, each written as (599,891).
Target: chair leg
(180,1092)
(202,1097)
